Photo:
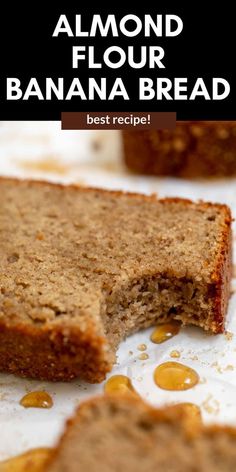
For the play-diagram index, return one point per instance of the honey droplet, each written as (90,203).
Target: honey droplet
(36,400)
(175,376)
(143,357)
(142,347)
(33,461)
(119,384)
(165,331)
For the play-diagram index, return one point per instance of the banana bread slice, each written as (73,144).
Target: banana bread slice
(123,433)
(83,268)
(193,149)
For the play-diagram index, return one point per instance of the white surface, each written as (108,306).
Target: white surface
(213,357)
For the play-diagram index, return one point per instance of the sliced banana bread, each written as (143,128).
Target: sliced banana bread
(83,268)
(193,149)
(123,433)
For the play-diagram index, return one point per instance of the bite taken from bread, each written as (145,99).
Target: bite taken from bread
(83,268)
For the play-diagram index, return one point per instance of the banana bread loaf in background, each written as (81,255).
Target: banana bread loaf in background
(123,433)
(192,149)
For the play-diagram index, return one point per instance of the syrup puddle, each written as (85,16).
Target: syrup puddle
(165,331)
(175,376)
(119,384)
(37,400)
(32,461)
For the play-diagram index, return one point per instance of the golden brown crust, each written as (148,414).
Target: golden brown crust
(193,149)
(219,290)
(222,276)
(152,197)
(54,354)
(101,191)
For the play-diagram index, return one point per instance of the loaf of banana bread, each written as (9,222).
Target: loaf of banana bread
(192,149)
(83,268)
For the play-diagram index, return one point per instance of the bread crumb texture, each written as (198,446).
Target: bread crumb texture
(83,268)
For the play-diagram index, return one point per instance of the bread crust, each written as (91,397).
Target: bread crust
(61,353)
(194,149)
(54,353)
(168,413)
(222,277)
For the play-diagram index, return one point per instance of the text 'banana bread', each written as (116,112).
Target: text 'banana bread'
(83,268)
(123,433)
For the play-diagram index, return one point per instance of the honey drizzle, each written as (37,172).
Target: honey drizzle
(175,376)
(39,399)
(32,461)
(119,384)
(47,164)
(165,331)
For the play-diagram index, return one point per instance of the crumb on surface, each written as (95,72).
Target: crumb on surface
(228,335)
(142,347)
(211,405)
(144,356)
(175,354)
